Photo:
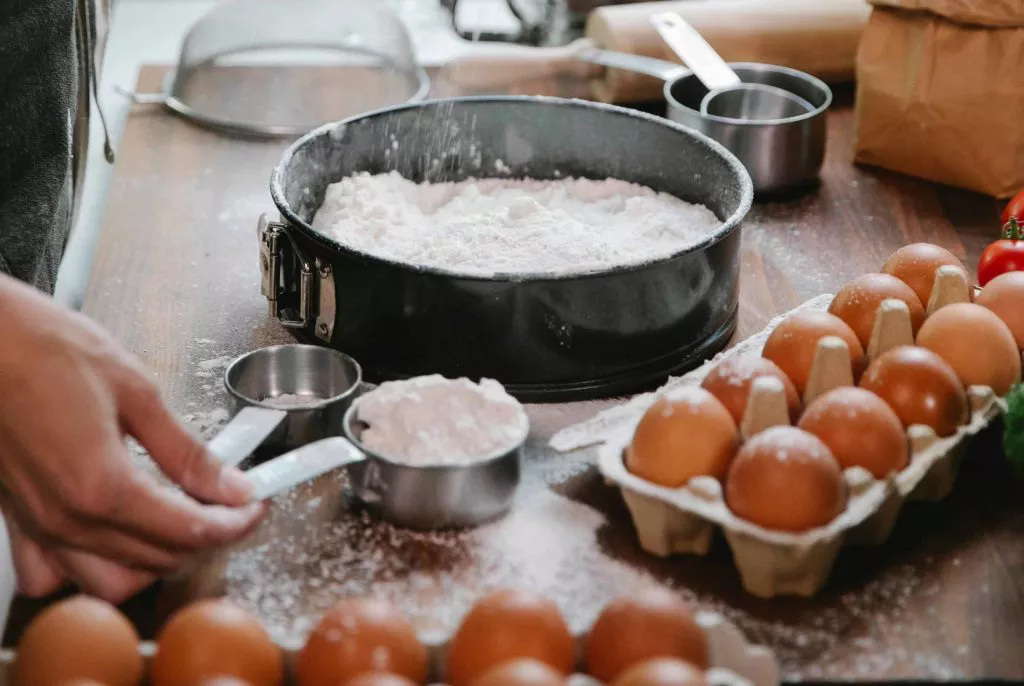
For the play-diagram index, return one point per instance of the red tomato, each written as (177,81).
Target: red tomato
(1006,255)
(1015,208)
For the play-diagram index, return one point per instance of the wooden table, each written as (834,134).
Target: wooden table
(176,280)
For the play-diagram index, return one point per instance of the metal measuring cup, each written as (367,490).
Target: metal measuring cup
(412,496)
(727,96)
(780,154)
(434,496)
(329,379)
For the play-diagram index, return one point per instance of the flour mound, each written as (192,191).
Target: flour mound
(510,226)
(431,420)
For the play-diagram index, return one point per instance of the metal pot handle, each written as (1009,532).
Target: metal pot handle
(659,69)
(293,284)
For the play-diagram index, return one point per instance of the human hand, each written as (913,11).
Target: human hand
(80,508)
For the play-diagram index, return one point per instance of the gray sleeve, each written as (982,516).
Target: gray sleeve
(38,102)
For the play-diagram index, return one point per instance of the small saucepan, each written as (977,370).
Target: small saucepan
(780,154)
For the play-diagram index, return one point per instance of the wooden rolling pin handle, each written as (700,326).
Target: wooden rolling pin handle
(483,70)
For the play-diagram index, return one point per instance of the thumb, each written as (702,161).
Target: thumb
(175,450)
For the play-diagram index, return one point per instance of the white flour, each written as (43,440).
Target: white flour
(483,226)
(434,420)
(291,401)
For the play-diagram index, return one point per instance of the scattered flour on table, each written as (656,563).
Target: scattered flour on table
(215,363)
(209,423)
(501,225)
(434,420)
(311,553)
(208,369)
(307,564)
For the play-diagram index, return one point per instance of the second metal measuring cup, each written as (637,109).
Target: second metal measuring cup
(729,95)
(779,154)
(313,385)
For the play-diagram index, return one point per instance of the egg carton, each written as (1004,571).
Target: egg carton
(733,661)
(774,563)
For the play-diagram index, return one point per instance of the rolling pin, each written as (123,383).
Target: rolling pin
(816,36)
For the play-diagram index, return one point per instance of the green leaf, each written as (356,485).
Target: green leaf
(1013,429)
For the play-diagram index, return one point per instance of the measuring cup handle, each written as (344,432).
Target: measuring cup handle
(694,51)
(650,66)
(302,464)
(244,433)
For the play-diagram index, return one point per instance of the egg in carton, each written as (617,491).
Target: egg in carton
(731,660)
(773,563)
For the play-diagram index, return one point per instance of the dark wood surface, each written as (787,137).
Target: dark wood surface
(176,280)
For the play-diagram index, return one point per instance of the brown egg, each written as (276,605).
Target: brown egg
(794,342)
(641,626)
(521,672)
(360,635)
(730,381)
(1004,295)
(860,430)
(662,671)
(915,265)
(78,638)
(378,679)
(785,479)
(506,625)
(857,303)
(224,681)
(685,434)
(215,638)
(86,682)
(976,343)
(920,387)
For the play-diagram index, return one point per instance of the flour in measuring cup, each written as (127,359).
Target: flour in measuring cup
(431,420)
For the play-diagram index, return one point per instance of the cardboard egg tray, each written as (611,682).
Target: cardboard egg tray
(733,661)
(773,563)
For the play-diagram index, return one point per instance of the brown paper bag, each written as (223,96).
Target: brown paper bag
(940,92)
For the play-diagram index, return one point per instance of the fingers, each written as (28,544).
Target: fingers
(178,454)
(42,572)
(102,578)
(38,574)
(147,510)
(125,515)
(131,551)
